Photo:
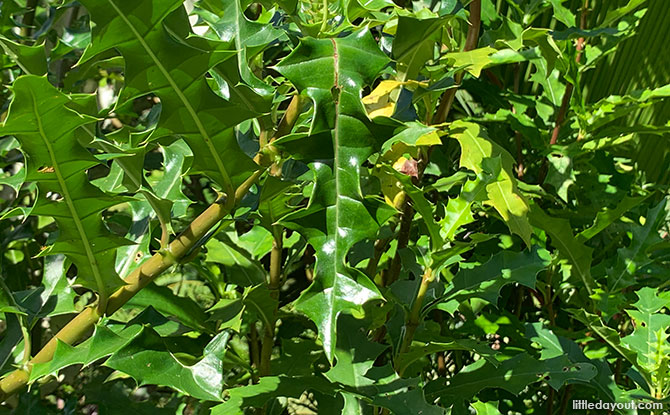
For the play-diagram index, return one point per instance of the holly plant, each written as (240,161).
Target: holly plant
(351,207)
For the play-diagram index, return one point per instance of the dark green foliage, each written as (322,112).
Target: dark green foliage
(452,210)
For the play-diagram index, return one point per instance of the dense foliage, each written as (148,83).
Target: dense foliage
(337,206)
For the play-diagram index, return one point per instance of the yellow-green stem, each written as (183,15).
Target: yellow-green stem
(324,22)
(26,340)
(274,285)
(83,323)
(415,314)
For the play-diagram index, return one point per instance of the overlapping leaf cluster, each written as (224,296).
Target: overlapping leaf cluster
(447,210)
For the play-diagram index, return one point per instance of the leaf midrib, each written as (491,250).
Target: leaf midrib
(336,164)
(636,251)
(201,128)
(102,290)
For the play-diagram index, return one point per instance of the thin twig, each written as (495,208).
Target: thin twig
(254,352)
(415,314)
(28,19)
(565,102)
(440,117)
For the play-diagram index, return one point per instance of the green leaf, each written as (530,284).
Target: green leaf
(400,396)
(458,211)
(249,38)
(650,338)
(270,387)
(562,14)
(416,134)
(147,359)
(607,216)
(260,302)
(485,408)
(649,301)
(185,310)
(163,197)
(473,60)
(155,37)
(419,202)
(502,194)
(332,72)
(355,354)
(41,121)
(610,336)
(513,375)
(486,280)
(31,59)
(7,302)
(228,312)
(241,268)
(636,255)
(102,343)
(276,201)
(416,352)
(578,255)
(414,43)
(54,297)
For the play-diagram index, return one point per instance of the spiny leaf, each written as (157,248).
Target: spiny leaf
(502,194)
(241,268)
(102,343)
(416,352)
(147,359)
(249,38)
(649,301)
(185,310)
(610,336)
(650,338)
(163,57)
(554,345)
(606,217)
(473,60)
(270,387)
(162,198)
(419,201)
(332,73)
(636,255)
(31,59)
(485,408)
(40,119)
(414,42)
(355,354)
(486,280)
(575,252)
(399,395)
(513,375)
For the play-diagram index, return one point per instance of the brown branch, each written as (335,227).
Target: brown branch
(28,18)
(567,96)
(517,134)
(470,43)
(254,351)
(564,400)
(285,126)
(379,248)
(439,118)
